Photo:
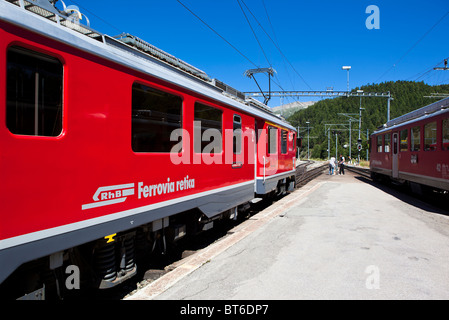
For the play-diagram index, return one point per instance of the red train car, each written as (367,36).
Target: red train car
(414,148)
(109,146)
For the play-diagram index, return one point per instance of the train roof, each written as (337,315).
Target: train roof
(42,16)
(433,109)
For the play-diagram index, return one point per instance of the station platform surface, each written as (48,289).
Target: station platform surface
(338,237)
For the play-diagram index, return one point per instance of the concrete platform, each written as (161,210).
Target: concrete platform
(338,237)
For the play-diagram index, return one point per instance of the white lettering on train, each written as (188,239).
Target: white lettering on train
(145,191)
(108,195)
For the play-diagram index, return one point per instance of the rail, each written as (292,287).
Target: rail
(360,170)
(305,174)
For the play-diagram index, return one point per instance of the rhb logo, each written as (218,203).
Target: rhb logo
(110,195)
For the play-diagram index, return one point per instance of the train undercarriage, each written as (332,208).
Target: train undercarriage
(107,262)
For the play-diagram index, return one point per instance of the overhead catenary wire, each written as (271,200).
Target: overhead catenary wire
(427,71)
(257,39)
(222,37)
(276,45)
(412,47)
(254,33)
(218,34)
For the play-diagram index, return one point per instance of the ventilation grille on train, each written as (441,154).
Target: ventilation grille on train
(229,90)
(161,55)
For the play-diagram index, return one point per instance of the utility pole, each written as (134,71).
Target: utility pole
(350,135)
(336,144)
(359,141)
(336,129)
(368,139)
(347,68)
(308,137)
(389,99)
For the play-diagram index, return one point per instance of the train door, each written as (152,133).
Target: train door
(256,148)
(395,162)
(238,152)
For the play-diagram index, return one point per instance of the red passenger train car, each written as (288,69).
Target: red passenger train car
(414,148)
(110,146)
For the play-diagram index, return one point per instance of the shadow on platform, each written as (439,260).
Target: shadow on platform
(431,202)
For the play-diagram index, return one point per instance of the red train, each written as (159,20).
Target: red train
(110,146)
(414,148)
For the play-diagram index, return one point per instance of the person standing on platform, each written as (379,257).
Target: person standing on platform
(331,166)
(341,164)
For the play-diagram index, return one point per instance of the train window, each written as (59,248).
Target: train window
(446,134)
(284,134)
(415,136)
(208,124)
(379,143)
(34,93)
(237,134)
(404,140)
(430,136)
(387,142)
(272,140)
(155,114)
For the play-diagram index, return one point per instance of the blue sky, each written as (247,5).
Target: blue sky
(316,37)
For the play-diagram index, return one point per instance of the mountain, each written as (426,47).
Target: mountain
(407,95)
(289,109)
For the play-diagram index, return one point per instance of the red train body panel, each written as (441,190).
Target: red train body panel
(91,171)
(415,147)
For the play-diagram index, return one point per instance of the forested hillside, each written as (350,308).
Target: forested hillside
(407,96)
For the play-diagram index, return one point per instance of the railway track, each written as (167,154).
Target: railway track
(305,174)
(360,170)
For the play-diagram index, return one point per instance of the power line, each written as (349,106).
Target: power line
(257,39)
(276,41)
(421,74)
(269,21)
(214,31)
(412,47)
(223,38)
(277,47)
(254,33)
